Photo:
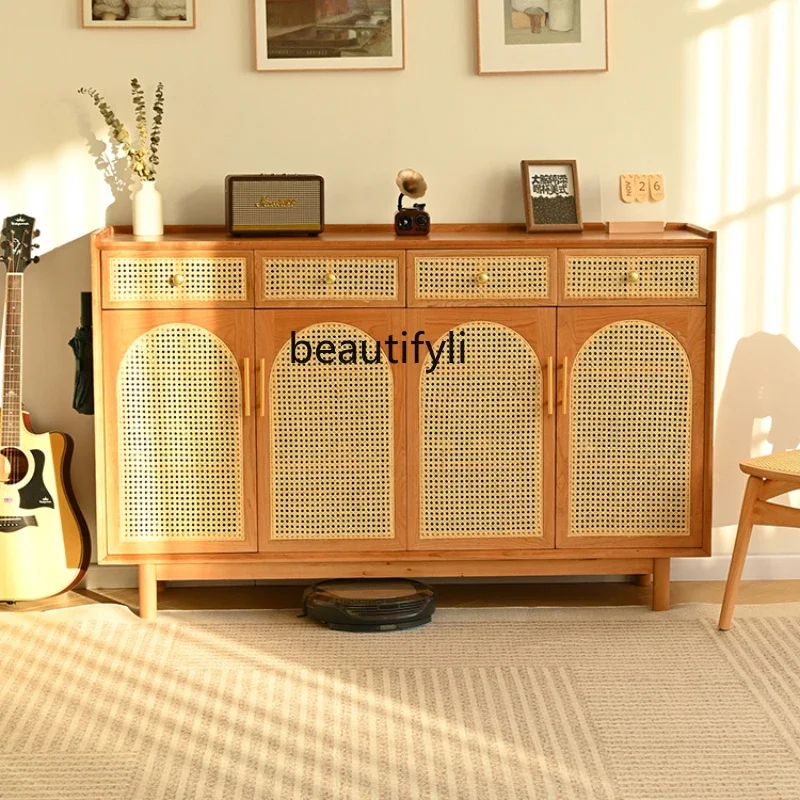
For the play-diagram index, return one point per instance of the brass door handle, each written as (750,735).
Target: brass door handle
(177,280)
(246,375)
(550,386)
(634,276)
(566,386)
(482,278)
(262,388)
(330,277)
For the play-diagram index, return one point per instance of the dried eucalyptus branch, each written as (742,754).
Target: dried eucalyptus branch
(158,116)
(143,159)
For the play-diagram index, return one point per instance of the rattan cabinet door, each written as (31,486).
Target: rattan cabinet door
(630,427)
(482,430)
(331,431)
(180,431)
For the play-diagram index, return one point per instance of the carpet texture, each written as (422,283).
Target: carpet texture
(613,704)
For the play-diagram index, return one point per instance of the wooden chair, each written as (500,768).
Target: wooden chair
(770,476)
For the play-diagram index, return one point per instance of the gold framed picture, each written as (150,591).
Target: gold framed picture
(542,36)
(329,34)
(551,196)
(126,14)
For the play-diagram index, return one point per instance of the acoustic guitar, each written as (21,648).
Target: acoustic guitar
(44,541)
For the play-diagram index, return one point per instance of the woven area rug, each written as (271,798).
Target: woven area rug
(619,704)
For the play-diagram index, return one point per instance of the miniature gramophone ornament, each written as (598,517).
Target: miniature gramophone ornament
(415,221)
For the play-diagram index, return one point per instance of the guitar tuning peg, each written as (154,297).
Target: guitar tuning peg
(35,246)
(37,233)
(35,259)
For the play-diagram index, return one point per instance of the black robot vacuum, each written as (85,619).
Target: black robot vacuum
(388,604)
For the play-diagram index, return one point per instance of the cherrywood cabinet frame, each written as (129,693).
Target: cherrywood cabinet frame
(405,556)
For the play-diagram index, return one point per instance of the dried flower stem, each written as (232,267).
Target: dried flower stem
(143,159)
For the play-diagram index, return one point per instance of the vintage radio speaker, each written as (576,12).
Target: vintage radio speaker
(380,604)
(274,205)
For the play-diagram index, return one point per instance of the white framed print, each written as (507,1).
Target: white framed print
(122,14)
(542,36)
(329,34)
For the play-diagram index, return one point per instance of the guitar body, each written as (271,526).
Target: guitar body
(44,541)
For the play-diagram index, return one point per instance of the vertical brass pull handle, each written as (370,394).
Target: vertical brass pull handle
(566,385)
(262,388)
(246,370)
(550,386)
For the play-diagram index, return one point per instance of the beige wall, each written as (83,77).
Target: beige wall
(705,91)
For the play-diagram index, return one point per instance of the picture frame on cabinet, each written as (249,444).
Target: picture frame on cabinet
(296,35)
(542,36)
(551,196)
(127,14)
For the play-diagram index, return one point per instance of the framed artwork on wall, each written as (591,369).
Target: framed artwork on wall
(542,36)
(329,34)
(138,13)
(551,196)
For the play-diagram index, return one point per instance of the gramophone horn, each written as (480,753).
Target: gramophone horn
(411,183)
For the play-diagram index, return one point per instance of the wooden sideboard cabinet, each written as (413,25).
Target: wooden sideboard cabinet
(543,406)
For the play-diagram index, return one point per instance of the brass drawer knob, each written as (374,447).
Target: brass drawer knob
(177,280)
(330,278)
(482,278)
(634,276)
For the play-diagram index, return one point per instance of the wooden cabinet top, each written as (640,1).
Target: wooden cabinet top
(382,237)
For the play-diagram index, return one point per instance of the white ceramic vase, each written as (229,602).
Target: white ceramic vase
(148,211)
(562,15)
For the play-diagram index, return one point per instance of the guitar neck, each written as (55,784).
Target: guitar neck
(12,362)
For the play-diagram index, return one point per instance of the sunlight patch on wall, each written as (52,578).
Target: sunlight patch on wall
(778,99)
(63,191)
(775,234)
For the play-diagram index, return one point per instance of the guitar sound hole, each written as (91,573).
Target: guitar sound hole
(14,465)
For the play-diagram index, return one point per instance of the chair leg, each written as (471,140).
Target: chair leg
(751,493)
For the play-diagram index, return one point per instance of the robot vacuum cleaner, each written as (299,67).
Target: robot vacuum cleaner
(370,605)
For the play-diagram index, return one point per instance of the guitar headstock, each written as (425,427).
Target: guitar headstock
(17,246)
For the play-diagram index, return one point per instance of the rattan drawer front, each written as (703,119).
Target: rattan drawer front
(134,281)
(627,276)
(513,278)
(345,279)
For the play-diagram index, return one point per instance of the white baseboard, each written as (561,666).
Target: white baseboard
(757,567)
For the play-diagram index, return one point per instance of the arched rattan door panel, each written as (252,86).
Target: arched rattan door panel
(630,443)
(482,434)
(181,452)
(332,434)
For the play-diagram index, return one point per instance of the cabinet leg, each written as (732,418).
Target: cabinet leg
(643,580)
(660,584)
(160,586)
(148,591)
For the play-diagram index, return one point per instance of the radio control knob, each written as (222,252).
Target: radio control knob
(330,278)
(177,280)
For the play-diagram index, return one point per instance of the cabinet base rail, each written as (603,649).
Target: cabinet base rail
(150,573)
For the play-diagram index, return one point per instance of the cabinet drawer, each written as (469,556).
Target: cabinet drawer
(177,281)
(344,279)
(666,277)
(486,279)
